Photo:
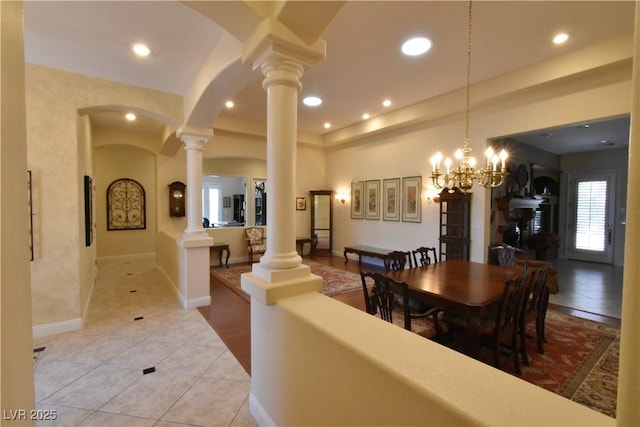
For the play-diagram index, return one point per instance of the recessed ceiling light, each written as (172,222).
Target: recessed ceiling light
(584,126)
(141,49)
(229,104)
(416,46)
(365,116)
(386,103)
(312,101)
(327,125)
(546,135)
(560,38)
(130,116)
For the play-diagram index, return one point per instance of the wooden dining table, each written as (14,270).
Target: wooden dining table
(465,288)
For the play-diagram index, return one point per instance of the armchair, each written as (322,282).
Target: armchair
(255,241)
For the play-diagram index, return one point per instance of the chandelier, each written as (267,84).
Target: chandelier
(464,172)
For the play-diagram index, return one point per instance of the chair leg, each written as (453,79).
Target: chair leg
(523,346)
(540,334)
(516,358)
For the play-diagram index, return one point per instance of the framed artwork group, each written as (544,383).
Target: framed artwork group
(398,199)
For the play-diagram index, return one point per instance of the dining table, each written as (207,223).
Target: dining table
(465,288)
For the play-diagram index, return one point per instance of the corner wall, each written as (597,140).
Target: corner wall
(16,344)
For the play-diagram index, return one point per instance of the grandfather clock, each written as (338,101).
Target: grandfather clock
(176,198)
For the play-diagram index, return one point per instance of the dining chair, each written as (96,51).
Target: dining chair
(399,260)
(380,296)
(508,256)
(500,328)
(535,306)
(255,242)
(421,256)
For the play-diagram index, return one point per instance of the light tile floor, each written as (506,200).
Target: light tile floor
(94,377)
(589,286)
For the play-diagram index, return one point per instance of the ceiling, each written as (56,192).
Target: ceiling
(363,64)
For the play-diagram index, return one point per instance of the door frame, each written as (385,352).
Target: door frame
(606,256)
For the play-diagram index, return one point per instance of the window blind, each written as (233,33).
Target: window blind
(591,215)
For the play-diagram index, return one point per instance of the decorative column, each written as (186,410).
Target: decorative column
(281,57)
(282,84)
(194,143)
(195,242)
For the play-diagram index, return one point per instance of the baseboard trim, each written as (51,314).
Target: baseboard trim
(196,302)
(259,412)
(48,329)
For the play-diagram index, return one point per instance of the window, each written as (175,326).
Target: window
(211,203)
(591,215)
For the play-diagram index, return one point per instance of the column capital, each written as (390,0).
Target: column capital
(280,70)
(190,136)
(272,37)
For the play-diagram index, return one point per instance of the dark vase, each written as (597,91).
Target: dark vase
(511,234)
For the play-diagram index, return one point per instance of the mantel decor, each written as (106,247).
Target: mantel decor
(125,205)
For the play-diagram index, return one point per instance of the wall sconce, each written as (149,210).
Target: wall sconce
(432,196)
(341,197)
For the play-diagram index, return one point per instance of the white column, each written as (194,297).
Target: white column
(195,242)
(194,146)
(282,84)
(628,413)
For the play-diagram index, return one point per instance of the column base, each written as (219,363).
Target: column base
(268,286)
(284,261)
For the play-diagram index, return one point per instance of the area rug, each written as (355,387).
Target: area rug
(334,280)
(580,361)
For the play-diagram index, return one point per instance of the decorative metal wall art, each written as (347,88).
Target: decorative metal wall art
(126,208)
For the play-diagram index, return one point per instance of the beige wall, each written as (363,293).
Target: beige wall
(406,152)
(16,345)
(114,162)
(58,161)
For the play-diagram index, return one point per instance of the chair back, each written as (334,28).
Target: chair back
(381,294)
(255,235)
(399,260)
(537,298)
(509,255)
(508,315)
(421,256)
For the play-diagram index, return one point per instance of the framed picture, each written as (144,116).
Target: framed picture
(372,198)
(301,203)
(391,199)
(88,210)
(411,199)
(226,202)
(357,189)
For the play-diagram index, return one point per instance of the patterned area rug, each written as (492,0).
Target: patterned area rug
(335,281)
(580,361)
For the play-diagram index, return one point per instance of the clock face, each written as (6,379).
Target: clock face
(177,194)
(522,175)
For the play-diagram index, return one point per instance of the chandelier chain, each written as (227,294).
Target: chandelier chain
(465,171)
(466,117)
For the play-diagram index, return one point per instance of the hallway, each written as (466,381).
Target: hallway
(95,377)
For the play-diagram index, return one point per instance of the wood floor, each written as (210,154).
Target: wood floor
(230,316)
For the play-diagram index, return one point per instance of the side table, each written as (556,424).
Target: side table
(220,248)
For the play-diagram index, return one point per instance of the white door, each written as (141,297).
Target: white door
(591,210)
